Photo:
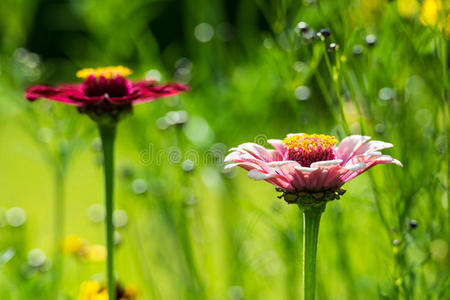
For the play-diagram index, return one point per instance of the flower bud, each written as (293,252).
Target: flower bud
(357,50)
(302,27)
(412,224)
(371,39)
(333,47)
(325,32)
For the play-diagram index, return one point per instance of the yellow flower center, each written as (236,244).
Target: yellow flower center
(309,142)
(106,72)
(309,148)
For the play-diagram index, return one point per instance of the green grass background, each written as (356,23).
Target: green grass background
(207,234)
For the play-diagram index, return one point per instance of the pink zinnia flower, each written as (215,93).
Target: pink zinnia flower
(309,163)
(105,89)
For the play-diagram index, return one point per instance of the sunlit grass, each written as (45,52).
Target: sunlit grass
(243,241)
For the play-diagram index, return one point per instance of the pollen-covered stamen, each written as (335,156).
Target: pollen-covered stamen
(109,81)
(106,72)
(309,148)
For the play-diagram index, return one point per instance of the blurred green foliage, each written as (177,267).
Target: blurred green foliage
(203,233)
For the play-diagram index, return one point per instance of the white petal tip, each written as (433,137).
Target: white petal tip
(231,157)
(279,163)
(398,163)
(229,166)
(376,153)
(324,163)
(305,169)
(356,167)
(257,175)
(274,141)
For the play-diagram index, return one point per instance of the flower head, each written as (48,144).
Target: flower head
(105,90)
(304,163)
(93,290)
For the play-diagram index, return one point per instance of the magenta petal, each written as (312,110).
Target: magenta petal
(52,93)
(148,91)
(125,99)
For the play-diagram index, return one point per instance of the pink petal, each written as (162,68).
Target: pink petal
(274,178)
(361,164)
(278,145)
(257,175)
(319,178)
(336,177)
(349,145)
(249,162)
(372,147)
(260,152)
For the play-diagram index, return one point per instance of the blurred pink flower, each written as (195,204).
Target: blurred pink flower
(309,163)
(105,88)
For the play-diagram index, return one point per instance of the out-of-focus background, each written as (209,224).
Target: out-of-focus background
(185,228)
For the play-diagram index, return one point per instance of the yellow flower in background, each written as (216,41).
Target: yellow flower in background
(74,244)
(430,13)
(129,293)
(80,247)
(447,27)
(408,8)
(369,9)
(96,253)
(93,290)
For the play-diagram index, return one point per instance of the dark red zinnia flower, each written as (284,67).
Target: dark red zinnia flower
(105,89)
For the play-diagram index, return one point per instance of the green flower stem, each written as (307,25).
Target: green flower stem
(334,73)
(108,134)
(59,225)
(311,222)
(445,86)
